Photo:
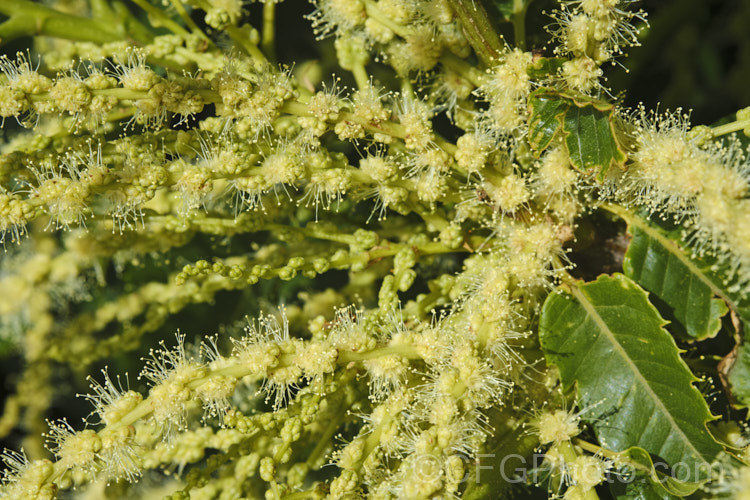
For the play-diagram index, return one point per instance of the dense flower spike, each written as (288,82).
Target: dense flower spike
(394,193)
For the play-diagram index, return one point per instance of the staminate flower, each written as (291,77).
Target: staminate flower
(111,402)
(76,450)
(556,426)
(170,372)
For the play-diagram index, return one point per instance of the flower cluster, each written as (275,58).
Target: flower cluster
(593,32)
(701,185)
(394,217)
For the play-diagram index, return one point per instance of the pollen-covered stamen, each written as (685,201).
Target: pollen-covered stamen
(426,160)
(266,341)
(63,192)
(386,373)
(25,479)
(22,80)
(598,29)
(15,212)
(473,149)
(555,177)
(133,73)
(348,333)
(282,168)
(16,463)
(508,194)
(111,402)
(556,426)
(119,454)
(170,372)
(332,15)
(380,166)
(215,393)
(77,450)
(509,78)
(586,471)
(326,187)
(23,75)
(415,115)
(194,184)
(324,106)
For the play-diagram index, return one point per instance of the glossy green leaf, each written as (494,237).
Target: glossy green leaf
(657,262)
(546,113)
(639,488)
(590,139)
(739,374)
(705,273)
(653,479)
(607,339)
(704,269)
(737,298)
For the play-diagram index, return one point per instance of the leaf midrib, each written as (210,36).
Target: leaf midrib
(591,310)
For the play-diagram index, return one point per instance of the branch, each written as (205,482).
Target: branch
(478,29)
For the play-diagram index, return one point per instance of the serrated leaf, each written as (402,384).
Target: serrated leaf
(590,139)
(607,338)
(739,374)
(546,113)
(707,273)
(657,262)
(656,478)
(639,488)
(706,268)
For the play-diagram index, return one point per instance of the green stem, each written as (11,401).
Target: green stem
(324,439)
(407,88)
(269,30)
(159,18)
(245,42)
(519,22)
(404,351)
(478,29)
(246,37)
(730,127)
(431,218)
(302,495)
(132,27)
(361,76)
(16,27)
(385,127)
(187,19)
(463,69)
(100,9)
(28,18)
(372,11)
